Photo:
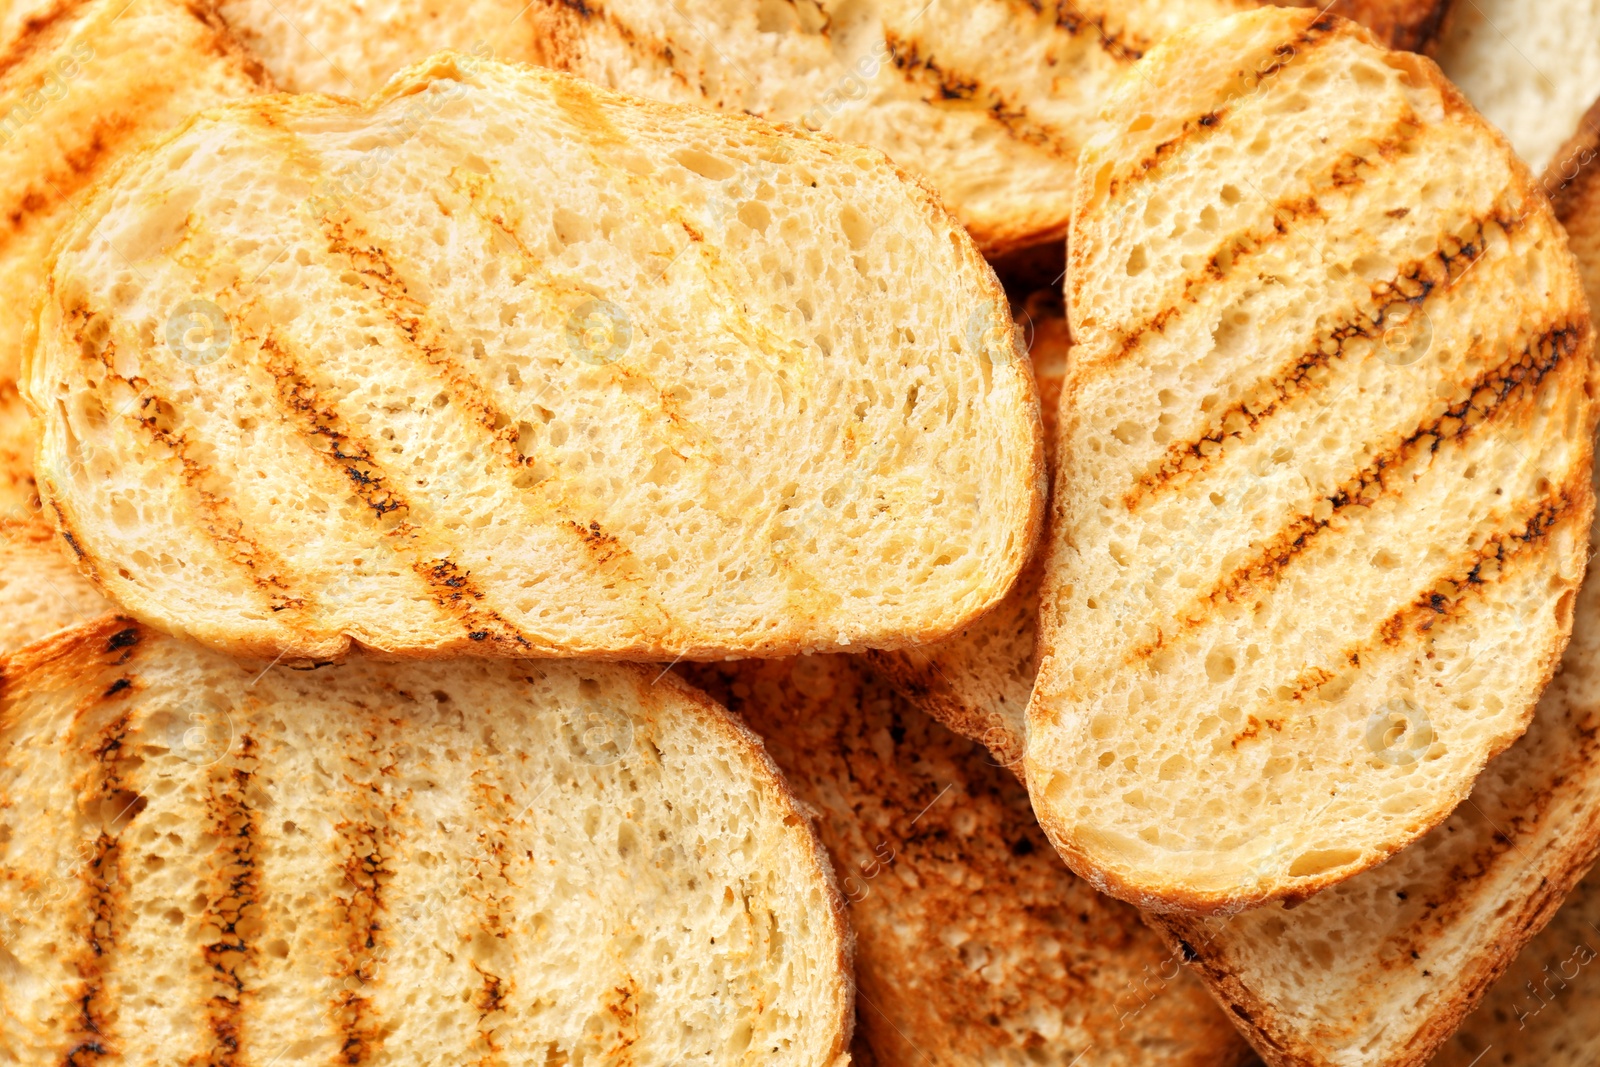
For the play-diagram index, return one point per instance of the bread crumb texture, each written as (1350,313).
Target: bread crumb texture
(501,363)
(1323,491)
(205,860)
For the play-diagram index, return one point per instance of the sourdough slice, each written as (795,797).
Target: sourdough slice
(1530,70)
(977,682)
(1323,485)
(41,591)
(204,860)
(481,367)
(1544,1011)
(81,84)
(989,100)
(975,944)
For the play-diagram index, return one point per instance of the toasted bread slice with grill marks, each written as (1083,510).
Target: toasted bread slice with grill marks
(81,83)
(483,367)
(978,681)
(1323,486)
(975,944)
(205,860)
(1382,968)
(41,591)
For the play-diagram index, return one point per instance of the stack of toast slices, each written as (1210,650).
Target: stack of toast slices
(804,532)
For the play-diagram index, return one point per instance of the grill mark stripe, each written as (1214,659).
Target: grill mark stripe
(492,810)
(1293,380)
(1192,130)
(38,32)
(1512,382)
(951,84)
(568,14)
(93,1039)
(1345,171)
(235,891)
(315,418)
(367,850)
(1463,581)
(265,569)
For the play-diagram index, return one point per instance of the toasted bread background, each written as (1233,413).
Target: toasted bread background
(977,682)
(1531,69)
(1323,485)
(41,591)
(486,367)
(81,84)
(975,944)
(204,859)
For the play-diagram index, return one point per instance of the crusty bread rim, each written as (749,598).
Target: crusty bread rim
(130,633)
(1030,474)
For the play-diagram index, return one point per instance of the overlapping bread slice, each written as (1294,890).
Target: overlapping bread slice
(204,860)
(1545,1010)
(977,682)
(988,100)
(1323,485)
(40,589)
(1531,70)
(975,944)
(479,367)
(19,496)
(1382,968)
(81,83)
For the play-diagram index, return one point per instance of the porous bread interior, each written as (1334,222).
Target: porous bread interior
(1541,1013)
(84,84)
(1273,541)
(975,945)
(977,681)
(508,373)
(1532,71)
(41,591)
(542,863)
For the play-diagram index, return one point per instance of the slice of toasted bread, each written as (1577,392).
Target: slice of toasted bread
(977,682)
(204,860)
(1383,967)
(40,590)
(1530,70)
(482,367)
(975,944)
(1323,485)
(988,100)
(1545,1010)
(80,84)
